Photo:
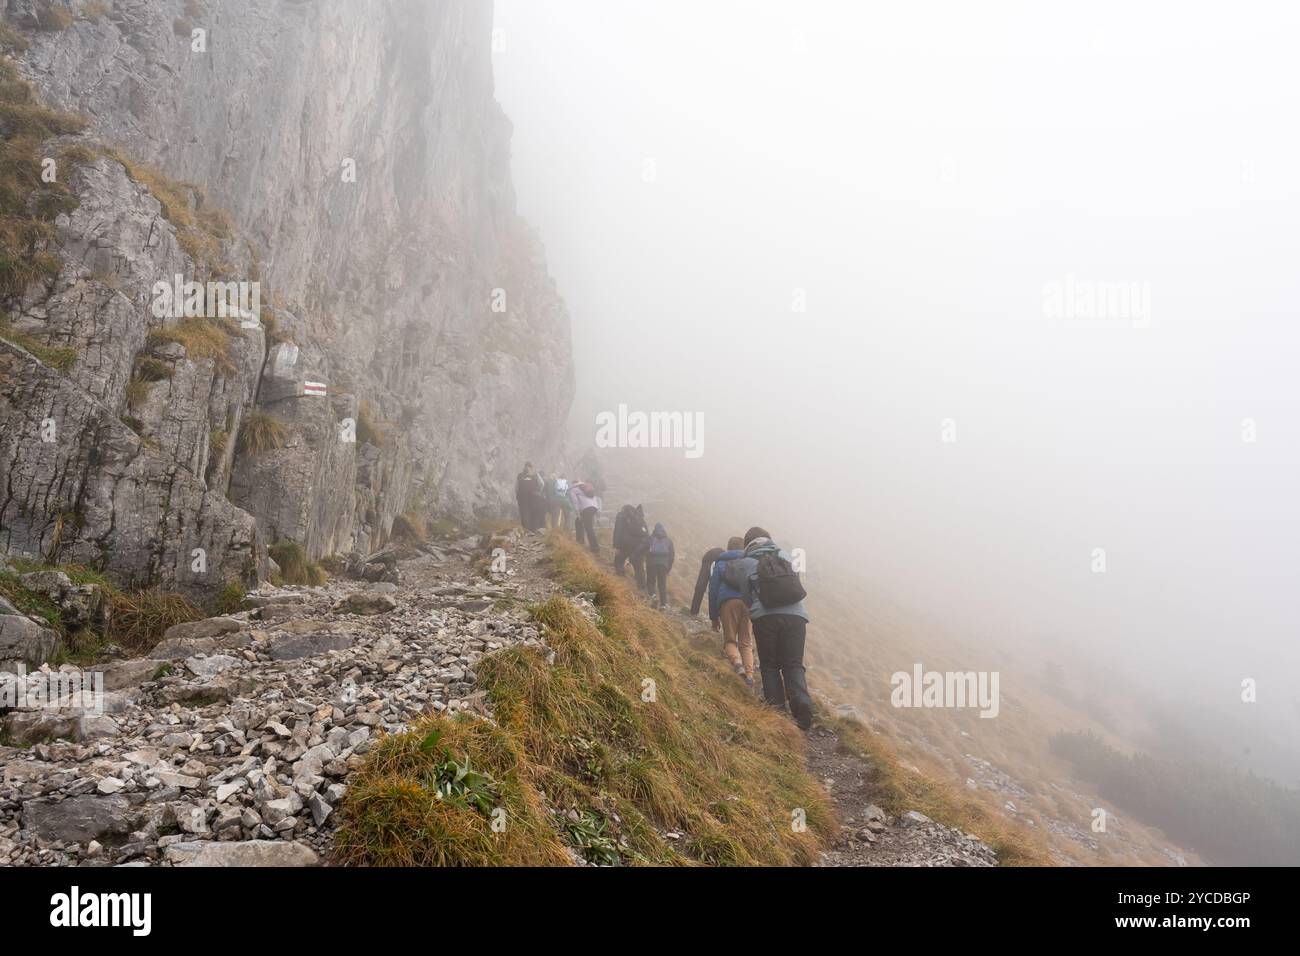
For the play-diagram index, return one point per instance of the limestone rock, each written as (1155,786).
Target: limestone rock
(248,853)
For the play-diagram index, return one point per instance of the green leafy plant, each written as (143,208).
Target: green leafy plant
(456,781)
(587,833)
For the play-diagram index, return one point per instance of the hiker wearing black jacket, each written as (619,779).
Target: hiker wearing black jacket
(702,582)
(659,560)
(530,498)
(631,539)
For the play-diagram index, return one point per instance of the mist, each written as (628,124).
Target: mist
(963,294)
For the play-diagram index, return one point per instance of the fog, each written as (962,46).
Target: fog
(861,241)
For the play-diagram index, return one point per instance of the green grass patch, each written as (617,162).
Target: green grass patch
(60,358)
(294,566)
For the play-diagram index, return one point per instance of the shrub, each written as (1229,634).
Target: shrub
(294,566)
(11,41)
(410,528)
(140,618)
(95,11)
(1232,818)
(203,338)
(200,228)
(60,358)
(28,204)
(218,438)
(262,432)
(153,370)
(52,17)
(230,599)
(368,429)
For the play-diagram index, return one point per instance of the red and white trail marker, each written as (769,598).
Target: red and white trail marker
(313,388)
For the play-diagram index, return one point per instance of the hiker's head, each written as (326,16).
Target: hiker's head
(754,533)
(528,466)
(735,543)
(660,530)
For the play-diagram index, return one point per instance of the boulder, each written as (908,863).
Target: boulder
(287,647)
(199,630)
(81,819)
(22,640)
(245,853)
(369,602)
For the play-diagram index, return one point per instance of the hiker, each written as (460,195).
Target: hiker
(780,623)
(528,494)
(631,540)
(558,503)
(702,580)
(728,610)
(585,508)
(658,562)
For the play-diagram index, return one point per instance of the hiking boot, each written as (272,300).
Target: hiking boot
(740,670)
(749,682)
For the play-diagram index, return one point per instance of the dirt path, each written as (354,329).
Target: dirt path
(868,836)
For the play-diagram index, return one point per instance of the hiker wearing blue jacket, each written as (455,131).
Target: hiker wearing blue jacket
(729,612)
(779,628)
(659,559)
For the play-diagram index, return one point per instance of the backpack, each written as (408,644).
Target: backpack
(734,574)
(659,547)
(778,583)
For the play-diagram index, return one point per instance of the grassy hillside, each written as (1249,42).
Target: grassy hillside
(580,760)
(860,636)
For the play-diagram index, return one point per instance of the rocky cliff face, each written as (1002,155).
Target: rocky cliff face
(349,158)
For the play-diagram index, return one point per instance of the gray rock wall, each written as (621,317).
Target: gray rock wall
(385,284)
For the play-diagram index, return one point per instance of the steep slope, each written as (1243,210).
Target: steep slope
(996,778)
(351,160)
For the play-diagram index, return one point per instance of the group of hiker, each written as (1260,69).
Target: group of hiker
(547,499)
(651,553)
(756,600)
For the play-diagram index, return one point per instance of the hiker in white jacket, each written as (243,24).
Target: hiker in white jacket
(586,505)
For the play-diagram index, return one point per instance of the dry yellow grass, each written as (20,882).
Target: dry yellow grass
(203,338)
(577,736)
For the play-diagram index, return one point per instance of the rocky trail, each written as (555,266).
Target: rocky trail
(232,743)
(868,835)
(871,837)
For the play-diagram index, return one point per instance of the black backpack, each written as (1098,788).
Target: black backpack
(778,584)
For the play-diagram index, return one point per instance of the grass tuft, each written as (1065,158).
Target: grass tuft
(203,338)
(410,528)
(60,358)
(294,566)
(139,618)
(52,17)
(262,432)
